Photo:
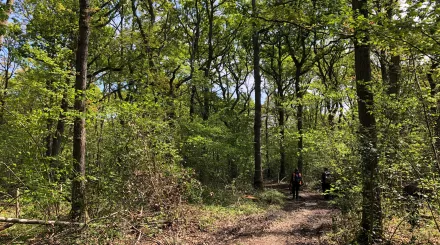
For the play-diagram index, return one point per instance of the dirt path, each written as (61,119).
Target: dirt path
(303,221)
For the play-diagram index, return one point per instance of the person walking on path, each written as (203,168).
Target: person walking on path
(325,181)
(295,183)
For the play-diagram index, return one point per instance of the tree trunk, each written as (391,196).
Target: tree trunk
(384,66)
(206,90)
(4,21)
(79,211)
(371,223)
(258,176)
(282,149)
(281,111)
(435,108)
(193,58)
(394,75)
(7,77)
(299,116)
(266,123)
(58,138)
(192,102)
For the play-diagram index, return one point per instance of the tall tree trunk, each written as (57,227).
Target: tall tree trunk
(192,102)
(371,223)
(299,116)
(435,108)
(266,123)
(194,57)
(394,69)
(281,111)
(3,25)
(79,211)
(383,61)
(282,149)
(206,91)
(58,138)
(258,176)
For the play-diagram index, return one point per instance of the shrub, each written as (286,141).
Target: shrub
(272,197)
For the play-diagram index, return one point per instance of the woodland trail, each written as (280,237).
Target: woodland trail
(300,222)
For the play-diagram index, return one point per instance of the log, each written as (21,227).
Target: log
(39,222)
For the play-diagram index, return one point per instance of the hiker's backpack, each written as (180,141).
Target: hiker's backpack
(327,177)
(297,178)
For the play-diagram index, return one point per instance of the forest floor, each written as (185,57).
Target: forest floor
(304,221)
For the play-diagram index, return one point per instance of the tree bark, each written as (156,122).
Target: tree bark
(194,56)
(79,211)
(299,116)
(394,75)
(210,12)
(435,108)
(58,138)
(266,123)
(258,175)
(371,223)
(281,111)
(4,22)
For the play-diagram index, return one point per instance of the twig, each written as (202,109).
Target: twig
(394,232)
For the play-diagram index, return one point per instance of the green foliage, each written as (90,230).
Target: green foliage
(272,197)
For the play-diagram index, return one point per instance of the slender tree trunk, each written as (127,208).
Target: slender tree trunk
(192,102)
(384,66)
(3,94)
(394,75)
(371,223)
(206,91)
(49,142)
(281,111)
(258,176)
(79,210)
(394,69)
(266,123)
(194,56)
(436,108)
(282,149)
(299,116)
(58,138)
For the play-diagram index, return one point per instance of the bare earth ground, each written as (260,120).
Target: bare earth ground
(300,222)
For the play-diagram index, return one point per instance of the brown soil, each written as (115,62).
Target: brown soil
(302,222)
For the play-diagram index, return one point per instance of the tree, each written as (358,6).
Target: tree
(79,208)
(371,223)
(258,175)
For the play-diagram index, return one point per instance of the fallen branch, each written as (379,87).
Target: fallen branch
(39,222)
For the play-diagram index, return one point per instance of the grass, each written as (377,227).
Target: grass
(265,201)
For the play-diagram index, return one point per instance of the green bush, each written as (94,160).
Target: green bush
(272,197)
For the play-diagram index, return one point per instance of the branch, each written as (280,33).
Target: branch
(39,222)
(103,70)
